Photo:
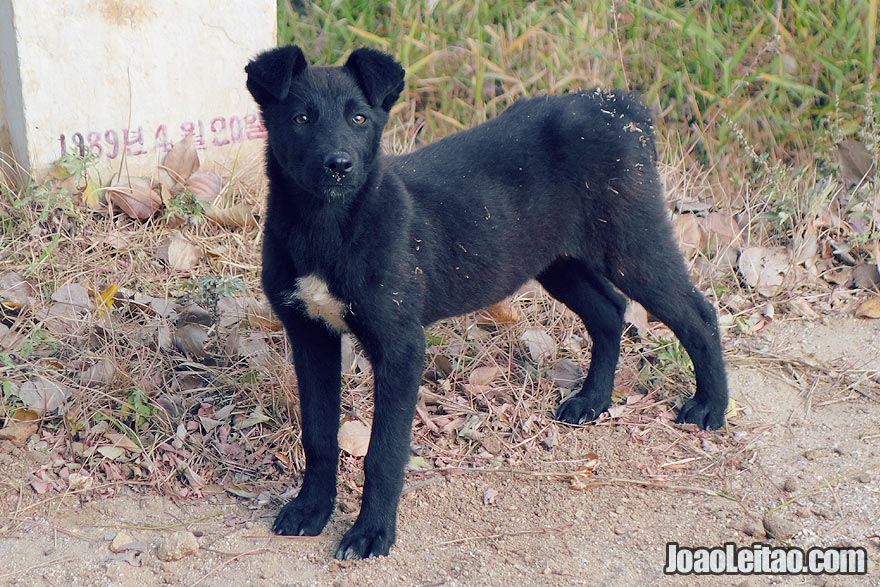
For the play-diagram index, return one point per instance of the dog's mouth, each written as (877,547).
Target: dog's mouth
(332,191)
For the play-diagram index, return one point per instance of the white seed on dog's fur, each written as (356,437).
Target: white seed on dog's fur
(313,292)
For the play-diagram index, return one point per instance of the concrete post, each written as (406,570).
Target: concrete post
(126,79)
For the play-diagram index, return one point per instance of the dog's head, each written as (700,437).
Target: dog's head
(325,123)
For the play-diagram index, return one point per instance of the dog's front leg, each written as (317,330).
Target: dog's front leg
(397,368)
(317,359)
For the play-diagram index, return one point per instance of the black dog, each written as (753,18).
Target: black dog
(559,188)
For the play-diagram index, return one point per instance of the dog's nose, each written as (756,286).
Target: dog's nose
(338,163)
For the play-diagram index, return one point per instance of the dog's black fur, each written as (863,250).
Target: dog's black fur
(559,188)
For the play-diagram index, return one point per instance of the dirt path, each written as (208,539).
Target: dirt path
(809,426)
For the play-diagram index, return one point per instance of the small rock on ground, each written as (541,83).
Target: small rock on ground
(177,546)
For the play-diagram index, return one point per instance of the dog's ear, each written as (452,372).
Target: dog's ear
(270,74)
(379,76)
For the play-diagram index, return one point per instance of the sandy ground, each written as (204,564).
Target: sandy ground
(808,428)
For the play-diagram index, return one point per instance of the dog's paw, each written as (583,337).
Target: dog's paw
(303,516)
(579,409)
(362,541)
(706,416)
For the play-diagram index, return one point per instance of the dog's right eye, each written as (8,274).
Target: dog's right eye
(301,118)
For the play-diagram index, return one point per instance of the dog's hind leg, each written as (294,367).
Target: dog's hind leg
(652,272)
(601,308)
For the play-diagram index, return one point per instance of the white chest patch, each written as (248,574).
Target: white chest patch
(319,303)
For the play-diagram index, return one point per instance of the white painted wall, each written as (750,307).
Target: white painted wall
(127,78)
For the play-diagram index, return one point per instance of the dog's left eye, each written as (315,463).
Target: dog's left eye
(301,118)
(358,119)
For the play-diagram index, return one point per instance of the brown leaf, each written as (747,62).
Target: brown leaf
(866,276)
(636,315)
(134,196)
(540,345)
(205,186)
(16,431)
(43,395)
(254,348)
(101,373)
(690,234)
(15,291)
(503,312)
(580,479)
(354,437)
(179,164)
(190,339)
(122,441)
(801,307)
(193,313)
(260,315)
(566,374)
(182,254)
(855,161)
(870,308)
(240,215)
(74,295)
(442,365)
(723,229)
(763,269)
(484,375)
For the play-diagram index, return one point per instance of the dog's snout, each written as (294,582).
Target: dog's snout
(338,163)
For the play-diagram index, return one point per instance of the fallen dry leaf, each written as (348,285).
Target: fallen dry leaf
(182,254)
(73,294)
(855,161)
(763,268)
(122,441)
(866,276)
(870,308)
(566,374)
(193,313)
(15,291)
(17,431)
(540,345)
(252,419)
(205,186)
(503,312)
(354,437)
(636,315)
(111,452)
(723,230)
(92,195)
(179,164)
(240,215)
(255,349)
(43,395)
(690,234)
(134,196)
(190,339)
(79,481)
(801,307)
(101,373)
(484,375)
(40,483)
(580,479)
(259,315)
